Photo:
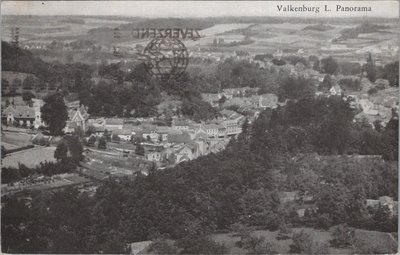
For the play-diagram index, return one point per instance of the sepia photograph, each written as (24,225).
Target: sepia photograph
(199,127)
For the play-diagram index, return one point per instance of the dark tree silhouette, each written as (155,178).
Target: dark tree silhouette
(54,113)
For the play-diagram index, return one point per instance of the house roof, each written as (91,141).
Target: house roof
(124,131)
(236,90)
(179,138)
(137,247)
(191,146)
(287,196)
(81,110)
(149,128)
(269,100)
(180,123)
(17,101)
(167,130)
(184,158)
(114,121)
(227,113)
(386,199)
(200,136)
(372,202)
(212,126)
(210,97)
(20,111)
(99,128)
(217,147)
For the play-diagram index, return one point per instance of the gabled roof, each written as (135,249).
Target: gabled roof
(213,97)
(189,146)
(20,111)
(201,136)
(227,113)
(212,126)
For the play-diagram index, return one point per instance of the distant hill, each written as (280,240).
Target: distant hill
(319,27)
(361,29)
(169,23)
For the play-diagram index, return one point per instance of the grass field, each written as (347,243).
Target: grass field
(378,241)
(30,157)
(12,140)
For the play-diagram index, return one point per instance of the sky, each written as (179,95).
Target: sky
(380,8)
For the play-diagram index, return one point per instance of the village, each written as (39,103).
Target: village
(255,134)
(117,147)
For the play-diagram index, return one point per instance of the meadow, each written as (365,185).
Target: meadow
(379,241)
(31,157)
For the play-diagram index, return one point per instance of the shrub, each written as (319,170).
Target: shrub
(200,245)
(343,236)
(162,246)
(372,91)
(324,221)
(303,244)
(284,232)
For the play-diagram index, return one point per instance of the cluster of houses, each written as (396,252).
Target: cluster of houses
(19,113)
(305,203)
(245,99)
(384,201)
(182,141)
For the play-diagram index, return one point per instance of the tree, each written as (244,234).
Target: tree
(40,84)
(28,83)
(139,150)
(370,68)
(391,72)
(116,138)
(193,244)
(162,246)
(304,244)
(54,113)
(61,151)
(10,175)
(27,96)
(107,135)
(333,201)
(329,65)
(15,85)
(343,236)
(75,147)
(4,86)
(326,84)
(315,60)
(295,88)
(222,100)
(284,232)
(102,143)
(257,245)
(91,141)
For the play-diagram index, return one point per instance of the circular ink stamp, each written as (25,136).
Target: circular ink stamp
(166,58)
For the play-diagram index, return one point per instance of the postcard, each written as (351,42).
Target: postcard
(199,127)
